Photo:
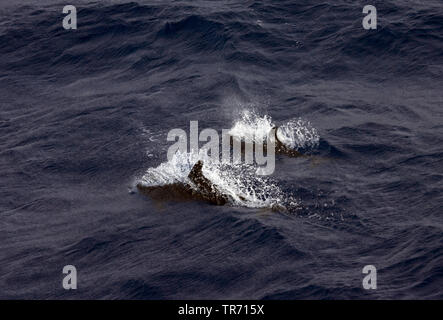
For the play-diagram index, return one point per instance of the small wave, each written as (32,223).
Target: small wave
(199,32)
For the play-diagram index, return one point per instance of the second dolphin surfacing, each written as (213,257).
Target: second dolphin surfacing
(280,147)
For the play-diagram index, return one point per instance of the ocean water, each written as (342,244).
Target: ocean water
(84,116)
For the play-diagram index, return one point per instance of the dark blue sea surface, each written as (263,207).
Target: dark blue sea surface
(84,113)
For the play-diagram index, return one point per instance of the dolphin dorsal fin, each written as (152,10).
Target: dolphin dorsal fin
(196,171)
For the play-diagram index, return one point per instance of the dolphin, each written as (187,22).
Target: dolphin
(208,191)
(205,190)
(281,148)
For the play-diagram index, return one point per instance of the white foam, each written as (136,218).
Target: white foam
(252,126)
(243,186)
(298,134)
(175,170)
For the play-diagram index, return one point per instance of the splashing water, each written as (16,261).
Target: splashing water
(298,134)
(175,170)
(243,186)
(252,127)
